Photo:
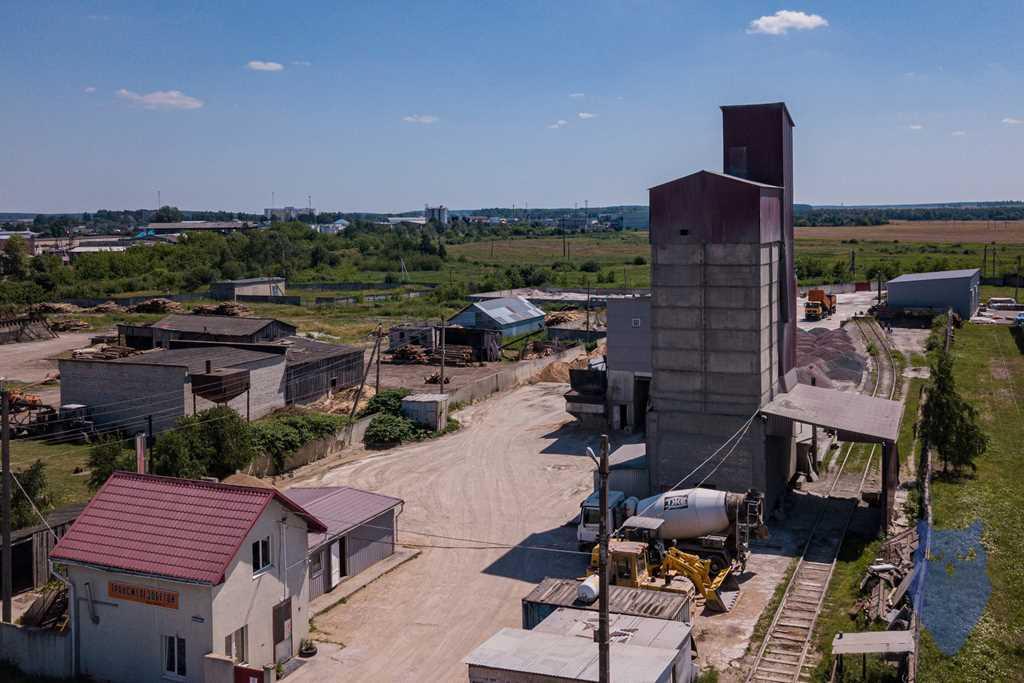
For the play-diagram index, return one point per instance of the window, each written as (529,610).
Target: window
(260,555)
(316,564)
(636,322)
(591,515)
(174,657)
(236,645)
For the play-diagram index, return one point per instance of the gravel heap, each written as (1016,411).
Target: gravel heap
(828,357)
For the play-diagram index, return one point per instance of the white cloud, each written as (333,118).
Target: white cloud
(161,99)
(586,115)
(421,118)
(576,94)
(257,65)
(1011,121)
(302,62)
(89,89)
(958,133)
(916,126)
(560,123)
(778,24)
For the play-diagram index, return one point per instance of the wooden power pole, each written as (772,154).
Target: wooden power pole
(5,450)
(603,640)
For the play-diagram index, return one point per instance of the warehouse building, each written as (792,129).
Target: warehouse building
(150,391)
(186,580)
(937,292)
(361,531)
(228,290)
(221,328)
(512,316)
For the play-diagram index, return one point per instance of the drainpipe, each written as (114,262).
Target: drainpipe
(284,556)
(72,616)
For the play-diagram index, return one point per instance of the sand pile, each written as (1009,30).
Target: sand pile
(827,356)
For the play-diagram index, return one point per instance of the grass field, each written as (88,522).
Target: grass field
(982,232)
(989,370)
(64,486)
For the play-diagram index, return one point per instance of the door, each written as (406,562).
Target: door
(336,560)
(244,674)
(283,630)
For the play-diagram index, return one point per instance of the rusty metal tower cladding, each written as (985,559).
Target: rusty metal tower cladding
(723,315)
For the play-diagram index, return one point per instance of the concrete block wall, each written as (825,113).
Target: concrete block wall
(715,331)
(266,392)
(123,395)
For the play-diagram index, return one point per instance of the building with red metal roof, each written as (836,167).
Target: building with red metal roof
(180,578)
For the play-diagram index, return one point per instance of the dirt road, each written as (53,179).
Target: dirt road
(30,361)
(514,474)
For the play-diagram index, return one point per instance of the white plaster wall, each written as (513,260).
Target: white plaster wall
(246,600)
(126,645)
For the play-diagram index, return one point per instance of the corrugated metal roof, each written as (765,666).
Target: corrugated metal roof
(621,600)
(510,309)
(341,508)
(214,324)
(194,358)
(305,350)
(937,275)
(873,642)
(568,657)
(162,526)
(622,628)
(857,417)
(629,456)
(250,281)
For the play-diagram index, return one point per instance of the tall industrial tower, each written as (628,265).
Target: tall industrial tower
(723,310)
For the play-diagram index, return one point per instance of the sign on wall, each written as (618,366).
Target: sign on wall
(143,594)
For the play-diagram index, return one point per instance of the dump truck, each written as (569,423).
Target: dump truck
(692,539)
(820,305)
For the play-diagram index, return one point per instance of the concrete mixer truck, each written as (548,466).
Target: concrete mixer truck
(686,541)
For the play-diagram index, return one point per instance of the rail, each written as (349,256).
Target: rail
(783,653)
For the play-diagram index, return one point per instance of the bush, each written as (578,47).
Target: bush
(282,435)
(590,267)
(106,457)
(388,402)
(639,261)
(216,443)
(388,430)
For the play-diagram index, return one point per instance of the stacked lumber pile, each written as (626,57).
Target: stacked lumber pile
(436,378)
(103,352)
(49,610)
(455,356)
(56,308)
(107,307)
(888,580)
(561,317)
(69,325)
(157,305)
(229,308)
(410,353)
(340,402)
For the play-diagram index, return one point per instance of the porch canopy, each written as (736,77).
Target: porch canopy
(854,416)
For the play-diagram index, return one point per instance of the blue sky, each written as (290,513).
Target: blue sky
(376,106)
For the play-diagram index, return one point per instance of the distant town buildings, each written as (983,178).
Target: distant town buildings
(287,213)
(438,214)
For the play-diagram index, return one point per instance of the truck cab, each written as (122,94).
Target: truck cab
(590,517)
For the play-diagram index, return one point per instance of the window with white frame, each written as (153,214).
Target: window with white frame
(260,555)
(316,563)
(174,657)
(236,645)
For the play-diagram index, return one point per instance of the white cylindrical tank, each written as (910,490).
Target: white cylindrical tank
(688,513)
(589,588)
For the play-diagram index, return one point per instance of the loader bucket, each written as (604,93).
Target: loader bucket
(723,592)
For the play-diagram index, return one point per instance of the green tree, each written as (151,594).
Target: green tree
(106,457)
(33,480)
(214,443)
(167,214)
(14,260)
(948,421)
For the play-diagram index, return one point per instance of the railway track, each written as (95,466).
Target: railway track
(785,654)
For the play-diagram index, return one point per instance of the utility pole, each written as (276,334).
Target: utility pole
(380,334)
(984,261)
(443,350)
(588,309)
(5,449)
(603,644)
(1016,281)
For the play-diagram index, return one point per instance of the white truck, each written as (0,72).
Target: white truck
(619,508)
